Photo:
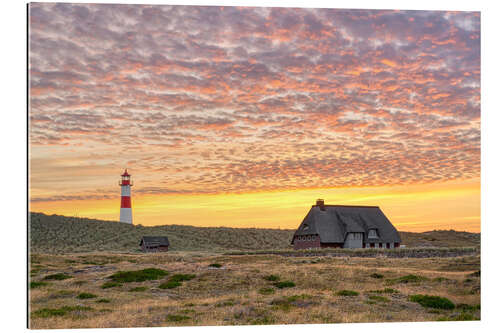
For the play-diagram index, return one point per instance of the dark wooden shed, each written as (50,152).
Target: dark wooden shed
(154,244)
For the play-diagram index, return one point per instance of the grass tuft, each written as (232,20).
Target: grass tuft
(378,298)
(86,296)
(48,312)
(176,318)
(169,285)
(384,291)
(138,289)
(347,293)
(103,300)
(216,265)
(138,276)
(57,276)
(284,284)
(37,284)
(435,302)
(376,276)
(272,277)
(266,291)
(410,279)
(182,277)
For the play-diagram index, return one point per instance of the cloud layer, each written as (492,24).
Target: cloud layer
(226,99)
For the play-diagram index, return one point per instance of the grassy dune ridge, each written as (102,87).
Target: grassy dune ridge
(61,234)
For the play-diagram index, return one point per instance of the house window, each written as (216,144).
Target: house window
(372,233)
(379,244)
(372,244)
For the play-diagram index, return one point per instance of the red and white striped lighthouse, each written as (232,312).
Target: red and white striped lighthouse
(126,205)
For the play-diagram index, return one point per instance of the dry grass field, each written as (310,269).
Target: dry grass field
(87,273)
(201,288)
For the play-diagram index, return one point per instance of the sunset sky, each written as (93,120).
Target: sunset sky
(243,117)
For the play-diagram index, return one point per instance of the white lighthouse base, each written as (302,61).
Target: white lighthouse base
(126,215)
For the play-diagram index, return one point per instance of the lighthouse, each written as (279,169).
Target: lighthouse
(126,205)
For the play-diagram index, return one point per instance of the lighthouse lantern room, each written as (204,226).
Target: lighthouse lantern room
(126,204)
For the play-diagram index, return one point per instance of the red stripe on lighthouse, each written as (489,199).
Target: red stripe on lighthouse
(126,202)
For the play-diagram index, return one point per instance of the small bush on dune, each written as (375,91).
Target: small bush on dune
(138,289)
(37,284)
(435,302)
(384,291)
(138,276)
(58,276)
(176,318)
(266,291)
(169,285)
(182,277)
(103,300)
(464,316)
(347,293)
(284,284)
(410,279)
(378,298)
(47,312)
(376,276)
(272,278)
(86,296)
(216,265)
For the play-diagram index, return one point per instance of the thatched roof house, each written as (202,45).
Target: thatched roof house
(345,226)
(154,243)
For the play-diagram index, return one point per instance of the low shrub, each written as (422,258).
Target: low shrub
(266,291)
(169,285)
(385,291)
(440,279)
(467,307)
(37,284)
(138,276)
(86,296)
(138,289)
(410,279)
(272,277)
(216,265)
(57,276)
(435,302)
(347,293)
(182,277)
(110,284)
(176,318)
(378,298)
(103,300)
(284,284)
(47,312)
(376,276)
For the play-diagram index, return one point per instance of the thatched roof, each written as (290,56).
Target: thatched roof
(333,222)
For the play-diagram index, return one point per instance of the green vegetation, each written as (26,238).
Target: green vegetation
(409,279)
(182,277)
(266,291)
(347,293)
(37,284)
(376,276)
(86,296)
(170,285)
(48,312)
(138,289)
(284,284)
(110,284)
(103,300)
(385,291)
(58,276)
(216,265)
(272,278)
(286,303)
(435,302)
(176,318)
(138,276)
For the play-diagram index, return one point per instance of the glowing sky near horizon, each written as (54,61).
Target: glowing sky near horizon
(243,116)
